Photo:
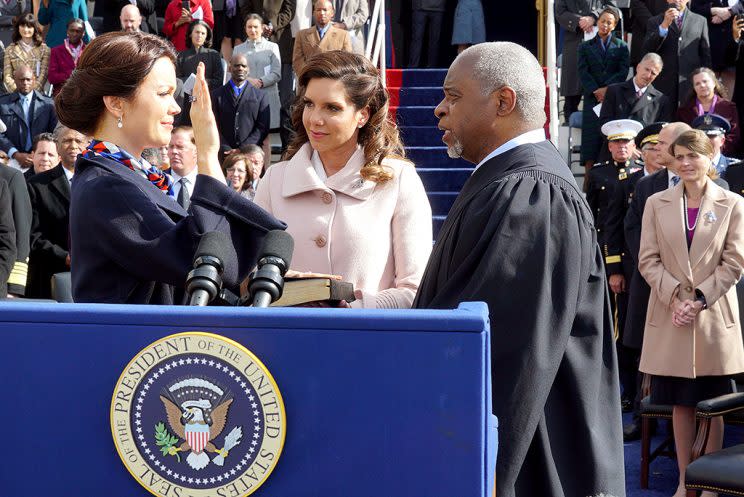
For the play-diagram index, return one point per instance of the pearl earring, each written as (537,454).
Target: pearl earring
(119,123)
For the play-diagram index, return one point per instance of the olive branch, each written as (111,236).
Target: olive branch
(166,441)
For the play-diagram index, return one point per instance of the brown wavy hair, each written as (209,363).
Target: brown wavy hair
(696,141)
(718,88)
(113,64)
(379,136)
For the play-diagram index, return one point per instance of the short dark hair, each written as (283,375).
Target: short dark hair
(113,64)
(27,20)
(42,137)
(195,23)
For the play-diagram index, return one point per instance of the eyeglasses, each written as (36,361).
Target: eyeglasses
(233,170)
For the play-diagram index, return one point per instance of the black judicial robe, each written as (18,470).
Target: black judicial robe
(520,237)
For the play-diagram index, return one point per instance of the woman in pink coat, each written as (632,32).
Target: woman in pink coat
(692,255)
(353,204)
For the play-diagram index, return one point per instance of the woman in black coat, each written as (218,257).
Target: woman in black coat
(198,43)
(131,242)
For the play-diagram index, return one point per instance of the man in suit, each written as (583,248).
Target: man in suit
(21,213)
(351,15)
(112,12)
(322,37)
(182,160)
(640,12)
(636,98)
(680,37)
(50,199)
(26,113)
(242,111)
(728,168)
(278,16)
(520,236)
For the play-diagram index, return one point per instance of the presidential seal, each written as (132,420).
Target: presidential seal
(198,415)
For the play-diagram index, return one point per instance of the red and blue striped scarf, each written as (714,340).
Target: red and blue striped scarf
(105,149)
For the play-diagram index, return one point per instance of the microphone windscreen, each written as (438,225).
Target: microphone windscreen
(278,243)
(216,244)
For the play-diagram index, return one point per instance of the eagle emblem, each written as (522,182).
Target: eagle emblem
(197,409)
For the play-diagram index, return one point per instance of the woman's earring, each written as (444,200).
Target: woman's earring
(119,124)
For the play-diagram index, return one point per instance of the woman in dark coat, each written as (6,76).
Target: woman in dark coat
(603,60)
(708,96)
(131,242)
(198,43)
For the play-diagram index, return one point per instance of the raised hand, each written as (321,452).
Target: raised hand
(205,128)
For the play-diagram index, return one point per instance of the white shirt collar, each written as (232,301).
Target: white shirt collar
(318,166)
(534,136)
(716,158)
(68,174)
(638,88)
(191,176)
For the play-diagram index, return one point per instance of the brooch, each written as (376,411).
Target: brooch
(710,217)
(358,184)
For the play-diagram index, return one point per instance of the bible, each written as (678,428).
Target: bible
(302,290)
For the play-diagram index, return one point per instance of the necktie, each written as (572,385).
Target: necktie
(183,194)
(26,104)
(675,180)
(679,22)
(639,94)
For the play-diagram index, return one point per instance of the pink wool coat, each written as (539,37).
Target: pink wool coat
(377,236)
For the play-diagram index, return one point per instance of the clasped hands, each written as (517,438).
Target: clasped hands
(685,311)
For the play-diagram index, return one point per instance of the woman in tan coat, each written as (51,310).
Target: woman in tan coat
(692,255)
(27,49)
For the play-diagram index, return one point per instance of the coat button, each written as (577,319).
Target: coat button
(326,198)
(320,241)
(688,289)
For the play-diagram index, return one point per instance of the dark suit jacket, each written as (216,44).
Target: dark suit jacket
(280,13)
(110,10)
(640,12)
(43,120)
(50,240)
(241,121)
(621,103)
(116,213)
(682,52)
(21,212)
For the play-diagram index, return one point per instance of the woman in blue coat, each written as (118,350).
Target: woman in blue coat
(56,14)
(131,242)
(603,60)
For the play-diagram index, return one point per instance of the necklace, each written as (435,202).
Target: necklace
(687,218)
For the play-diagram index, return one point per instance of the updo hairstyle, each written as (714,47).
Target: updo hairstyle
(113,64)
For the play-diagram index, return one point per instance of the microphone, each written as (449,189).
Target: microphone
(205,280)
(268,280)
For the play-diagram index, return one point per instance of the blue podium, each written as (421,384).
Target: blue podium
(377,403)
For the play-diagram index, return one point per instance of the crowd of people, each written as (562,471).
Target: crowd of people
(124,142)
(668,128)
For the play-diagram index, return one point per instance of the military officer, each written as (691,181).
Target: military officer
(604,177)
(618,261)
(730,169)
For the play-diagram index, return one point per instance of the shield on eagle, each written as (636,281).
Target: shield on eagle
(197,435)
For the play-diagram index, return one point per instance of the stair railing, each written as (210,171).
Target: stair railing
(375,49)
